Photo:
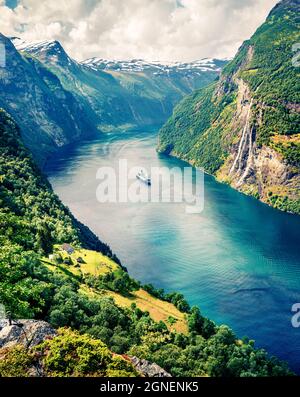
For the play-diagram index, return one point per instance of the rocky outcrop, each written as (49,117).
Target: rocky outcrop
(254,169)
(28,333)
(147,369)
(31,333)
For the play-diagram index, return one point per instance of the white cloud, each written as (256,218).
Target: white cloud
(151,29)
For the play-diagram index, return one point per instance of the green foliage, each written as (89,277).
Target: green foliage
(284,203)
(120,368)
(290,151)
(200,325)
(69,354)
(175,298)
(72,354)
(119,281)
(15,362)
(32,220)
(100,318)
(218,356)
(24,288)
(185,131)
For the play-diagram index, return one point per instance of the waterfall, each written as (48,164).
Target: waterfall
(243,140)
(250,156)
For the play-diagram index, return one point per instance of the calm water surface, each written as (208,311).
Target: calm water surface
(238,260)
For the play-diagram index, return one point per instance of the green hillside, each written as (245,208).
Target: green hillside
(244,129)
(81,286)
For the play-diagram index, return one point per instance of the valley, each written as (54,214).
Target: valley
(139,289)
(64,100)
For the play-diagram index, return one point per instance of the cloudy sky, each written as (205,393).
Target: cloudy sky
(166,30)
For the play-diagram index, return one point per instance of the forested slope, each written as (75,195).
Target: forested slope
(244,129)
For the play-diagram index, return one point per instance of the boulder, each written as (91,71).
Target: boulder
(28,333)
(150,370)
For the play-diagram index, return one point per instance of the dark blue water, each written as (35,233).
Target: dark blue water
(238,260)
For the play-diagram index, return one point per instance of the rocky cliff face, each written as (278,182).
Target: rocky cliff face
(252,168)
(28,333)
(49,115)
(245,128)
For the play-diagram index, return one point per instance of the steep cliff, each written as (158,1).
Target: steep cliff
(244,129)
(49,115)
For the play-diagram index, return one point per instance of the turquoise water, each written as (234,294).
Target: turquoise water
(238,260)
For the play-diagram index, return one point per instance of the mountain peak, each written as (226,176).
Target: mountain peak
(293,5)
(36,46)
(51,50)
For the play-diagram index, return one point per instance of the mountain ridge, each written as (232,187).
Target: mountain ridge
(244,129)
(140,65)
(203,64)
(57,100)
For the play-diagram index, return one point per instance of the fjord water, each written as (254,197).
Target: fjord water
(238,260)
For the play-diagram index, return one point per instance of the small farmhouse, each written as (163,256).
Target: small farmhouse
(67,248)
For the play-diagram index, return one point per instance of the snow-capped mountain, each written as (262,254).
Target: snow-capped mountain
(52,50)
(156,67)
(74,99)
(49,115)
